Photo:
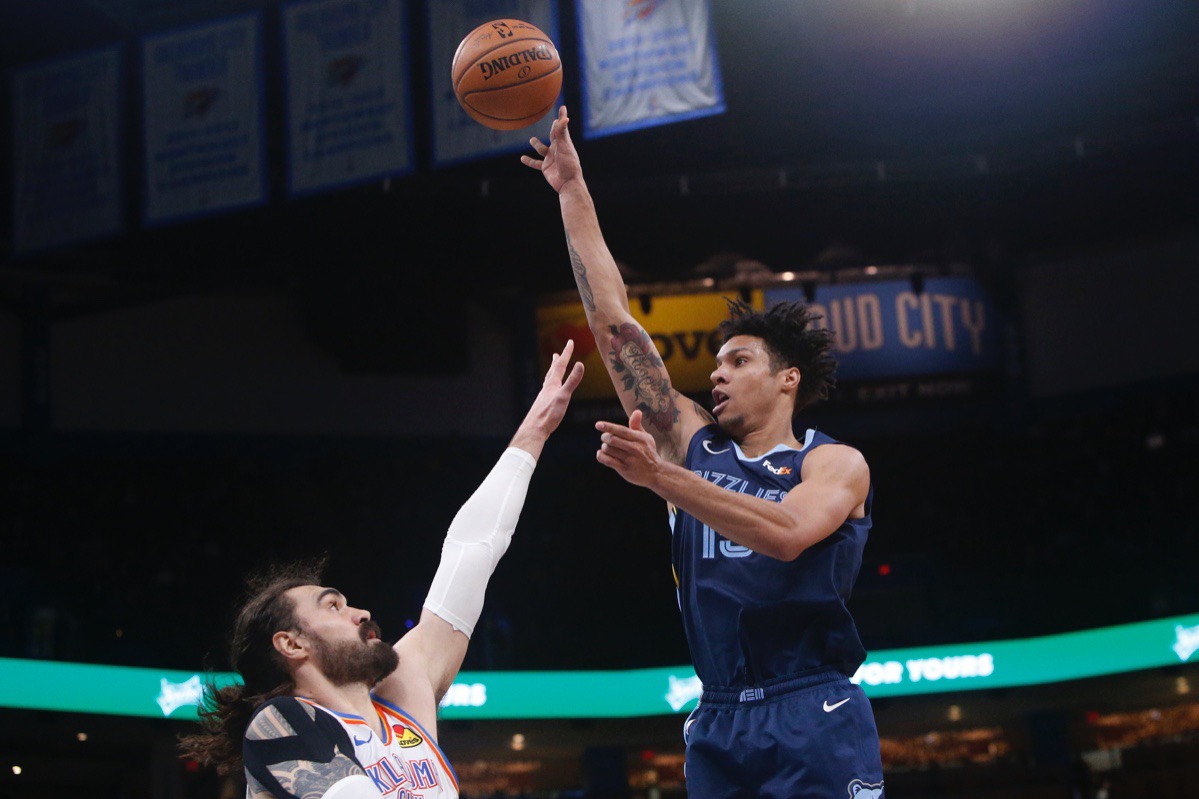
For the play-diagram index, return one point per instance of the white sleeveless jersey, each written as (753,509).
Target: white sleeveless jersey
(407,764)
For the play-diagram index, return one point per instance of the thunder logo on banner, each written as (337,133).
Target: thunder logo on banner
(204,119)
(348,110)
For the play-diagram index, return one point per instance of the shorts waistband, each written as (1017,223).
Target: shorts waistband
(769,689)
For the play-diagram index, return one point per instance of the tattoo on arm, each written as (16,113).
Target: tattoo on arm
(269,724)
(309,780)
(580,270)
(702,413)
(642,372)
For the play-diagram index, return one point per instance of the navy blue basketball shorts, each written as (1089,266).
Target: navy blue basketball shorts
(811,736)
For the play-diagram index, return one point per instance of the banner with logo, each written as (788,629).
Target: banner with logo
(66,150)
(204,124)
(348,110)
(899,343)
(646,62)
(683,328)
(120,690)
(457,137)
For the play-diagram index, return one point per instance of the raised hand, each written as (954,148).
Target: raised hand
(559,162)
(550,405)
(630,451)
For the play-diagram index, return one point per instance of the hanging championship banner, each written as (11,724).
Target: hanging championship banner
(66,152)
(646,62)
(457,137)
(204,119)
(349,117)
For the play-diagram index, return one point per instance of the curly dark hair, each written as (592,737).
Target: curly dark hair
(792,339)
(225,712)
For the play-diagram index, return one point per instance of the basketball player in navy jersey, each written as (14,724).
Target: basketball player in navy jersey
(328,710)
(768,528)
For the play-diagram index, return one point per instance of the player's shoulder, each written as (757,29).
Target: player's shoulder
(824,452)
(279,717)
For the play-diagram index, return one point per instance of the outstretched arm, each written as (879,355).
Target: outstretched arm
(432,653)
(632,360)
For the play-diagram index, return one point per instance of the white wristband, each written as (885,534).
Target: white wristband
(477,539)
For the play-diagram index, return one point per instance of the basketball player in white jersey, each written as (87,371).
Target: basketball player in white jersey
(328,710)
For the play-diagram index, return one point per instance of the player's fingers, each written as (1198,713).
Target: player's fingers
(615,444)
(559,362)
(574,378)
(606,459)
(531,162)
(539,146)
(618,431)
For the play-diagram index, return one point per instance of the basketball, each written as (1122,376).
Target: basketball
(507,74)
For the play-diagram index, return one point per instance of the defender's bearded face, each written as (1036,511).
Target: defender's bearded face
(366,660)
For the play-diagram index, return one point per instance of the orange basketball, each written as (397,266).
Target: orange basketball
(507,74)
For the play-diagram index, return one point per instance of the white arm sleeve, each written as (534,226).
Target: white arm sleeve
(478,538)
(355,786)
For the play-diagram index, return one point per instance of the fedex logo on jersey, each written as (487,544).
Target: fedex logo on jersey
(398,779)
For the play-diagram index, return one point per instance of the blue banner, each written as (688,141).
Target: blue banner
(348,117)
(204,121)
(457,137)
(887,329)
(646,62)
(66,150)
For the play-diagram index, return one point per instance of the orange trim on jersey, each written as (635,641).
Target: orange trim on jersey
(350,718)
(411,722)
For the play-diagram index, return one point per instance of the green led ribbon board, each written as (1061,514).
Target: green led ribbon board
(123,691)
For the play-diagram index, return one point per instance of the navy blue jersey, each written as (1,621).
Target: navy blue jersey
(750,618)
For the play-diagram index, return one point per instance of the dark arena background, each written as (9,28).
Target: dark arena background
(995,203)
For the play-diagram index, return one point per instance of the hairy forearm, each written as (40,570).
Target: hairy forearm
(765,527)
(601,287)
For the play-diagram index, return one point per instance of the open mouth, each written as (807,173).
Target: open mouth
(721,399)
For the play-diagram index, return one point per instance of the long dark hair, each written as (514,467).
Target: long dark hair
(225,712)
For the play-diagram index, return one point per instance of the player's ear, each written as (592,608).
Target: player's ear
(288,644)
(791,378)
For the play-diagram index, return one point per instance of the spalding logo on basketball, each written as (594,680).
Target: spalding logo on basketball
(507,74)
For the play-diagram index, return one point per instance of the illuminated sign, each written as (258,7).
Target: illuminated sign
(886,329)
(683,328)
(118,690)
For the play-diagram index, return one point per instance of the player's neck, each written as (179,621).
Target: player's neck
(354,698)
(760,440)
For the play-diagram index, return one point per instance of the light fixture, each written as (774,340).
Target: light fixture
(518,742)
(955,712)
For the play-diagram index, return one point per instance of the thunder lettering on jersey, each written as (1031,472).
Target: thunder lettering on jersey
(748,617)
(403,762)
